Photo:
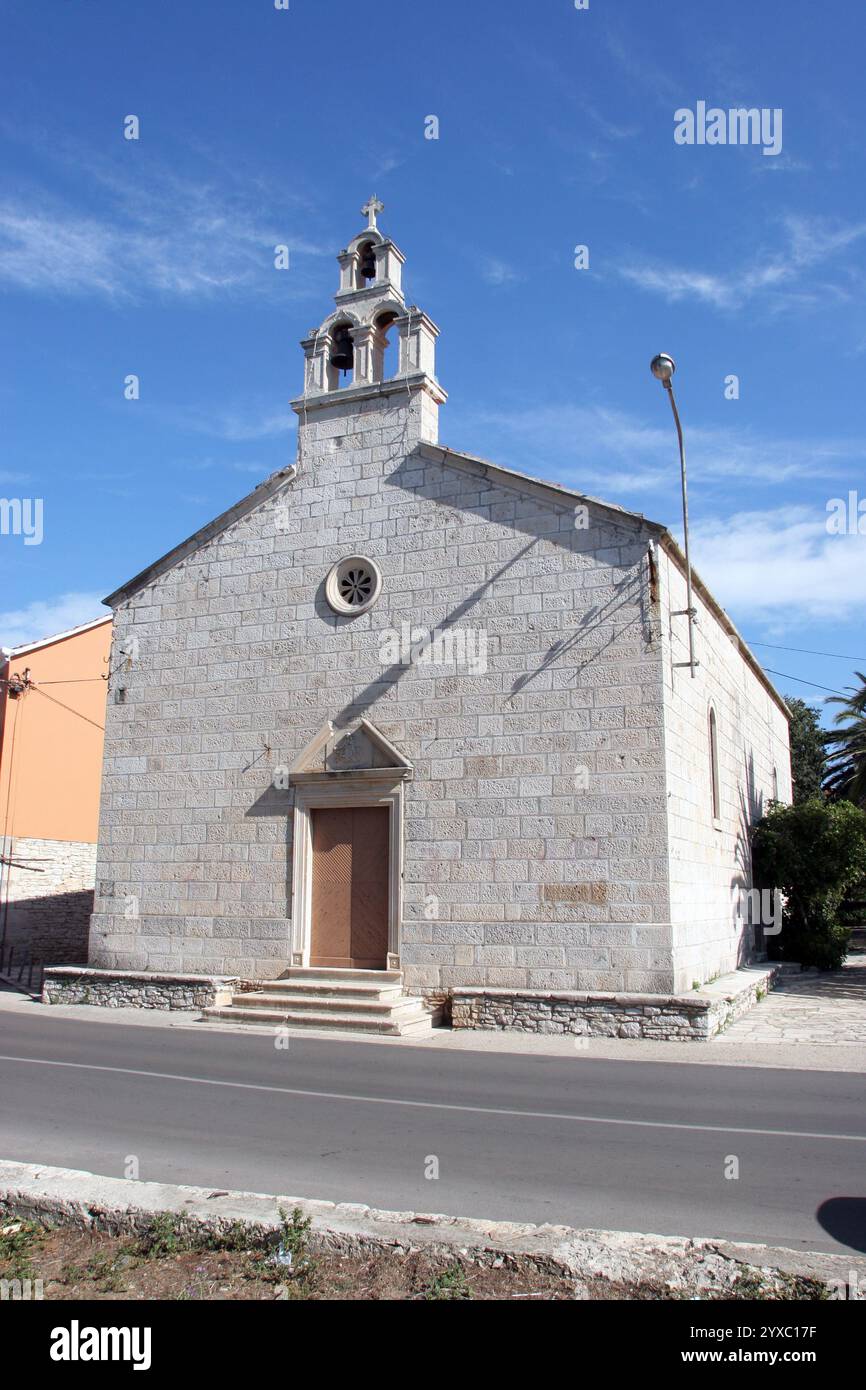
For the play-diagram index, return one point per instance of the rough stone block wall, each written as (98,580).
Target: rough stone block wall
(678,1018)
(710,859)
(128,990)
(535,829)
(47,899)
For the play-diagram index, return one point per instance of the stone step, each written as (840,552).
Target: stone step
(265,999)
(416,1024)
(342,989)
(338,973)
(341,1000)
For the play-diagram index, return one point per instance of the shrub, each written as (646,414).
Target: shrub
(449,1285)
(166,1234)
(814,853)
(293,1252)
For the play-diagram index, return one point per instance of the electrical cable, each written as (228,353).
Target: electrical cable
(800,679)
(69,709)
(806,651)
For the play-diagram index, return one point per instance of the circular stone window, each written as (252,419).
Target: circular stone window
(353,585)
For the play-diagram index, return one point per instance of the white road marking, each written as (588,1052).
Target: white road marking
(436,1104)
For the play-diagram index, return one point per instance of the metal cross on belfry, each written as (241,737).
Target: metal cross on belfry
(370,210)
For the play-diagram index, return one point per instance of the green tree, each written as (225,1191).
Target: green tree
(846,762)
(814,853)
(808,751)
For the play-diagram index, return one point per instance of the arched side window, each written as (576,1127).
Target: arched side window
(714,765)
(775,783)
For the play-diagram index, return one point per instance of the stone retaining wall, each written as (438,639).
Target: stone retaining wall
(128,989)
(692,1017)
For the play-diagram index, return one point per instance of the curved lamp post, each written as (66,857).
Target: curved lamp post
(663,368)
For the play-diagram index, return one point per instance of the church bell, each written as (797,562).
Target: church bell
(368,262)
(342,356)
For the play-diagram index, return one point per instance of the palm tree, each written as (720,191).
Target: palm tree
(846,761)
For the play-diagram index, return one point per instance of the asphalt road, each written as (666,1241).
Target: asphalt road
(638,1146)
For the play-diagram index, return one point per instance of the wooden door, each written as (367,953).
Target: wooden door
(349,909)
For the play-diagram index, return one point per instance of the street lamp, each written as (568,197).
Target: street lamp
(663,368)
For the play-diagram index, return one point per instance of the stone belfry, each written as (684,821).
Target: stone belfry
(348,371)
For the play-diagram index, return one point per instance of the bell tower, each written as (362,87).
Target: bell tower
(347,367)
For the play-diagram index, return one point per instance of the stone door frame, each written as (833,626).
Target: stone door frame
(379,787)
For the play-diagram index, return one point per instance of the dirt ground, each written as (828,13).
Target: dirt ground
(169,1262)
(75,1264)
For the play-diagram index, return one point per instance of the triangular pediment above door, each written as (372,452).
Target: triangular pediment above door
(360,750)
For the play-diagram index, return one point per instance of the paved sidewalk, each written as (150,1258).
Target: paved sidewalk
(768,1046)
(807,1007)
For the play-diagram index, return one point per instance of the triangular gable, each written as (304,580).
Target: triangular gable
(360,750)
(508,476)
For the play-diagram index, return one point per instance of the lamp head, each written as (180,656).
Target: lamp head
(663,368)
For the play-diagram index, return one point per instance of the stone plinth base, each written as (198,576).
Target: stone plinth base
(130,989)
(695,1017)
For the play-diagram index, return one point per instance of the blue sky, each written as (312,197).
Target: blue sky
(261,126)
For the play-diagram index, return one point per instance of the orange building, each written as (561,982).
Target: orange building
(52,720)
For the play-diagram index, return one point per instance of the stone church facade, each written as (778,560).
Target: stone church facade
(401,709)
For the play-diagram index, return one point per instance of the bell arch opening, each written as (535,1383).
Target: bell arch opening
(386,358)
(366,271)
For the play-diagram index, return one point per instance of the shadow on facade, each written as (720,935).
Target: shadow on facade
(750,810)
(49,930)
(404,478)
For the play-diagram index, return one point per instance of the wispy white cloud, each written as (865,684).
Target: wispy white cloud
(241,424)
(496,272)
(784,163)
(155,232)
(767,563)
(809,242)
(385,164)
(676,283)
(594,448)
(202,465)
(195,499)
(46,617)
(612,130)
(641,69)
